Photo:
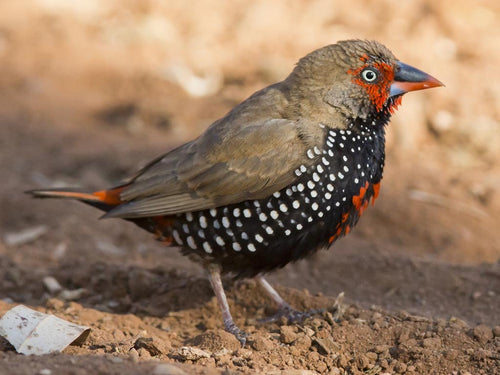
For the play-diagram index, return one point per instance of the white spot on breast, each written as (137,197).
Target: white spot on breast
(297,173)
(262,217)
(239,224)
(185,228)
(251,247)
(328,208)
(236,212)
(296,204)
(220,241)
(213,212)
(189,216)
(283,207)
(203,221)
(244,236)
(329,144)
(356,180)
(314,193)
(274,214)
(201,234)
(319,168)
(317,151)
(341,145)
(269,230)
(303,168)
(256,203)
(276,194)
(315,177)
(310,154)
(177,238)
(259,238)
(337,204)
(310,184)
(247,212)
(325,162)
(300,187)
(329,187)
(289,192)
(332,177)
(207,247)
(288,232)
(320,214)
(344,158)
(191,243)
(346,169)
(328,195)
(225,222)
(314,206)
(341,176)
(299,226)
(216,224)
(358,166)
(236,246)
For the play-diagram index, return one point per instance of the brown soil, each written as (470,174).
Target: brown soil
(89,94)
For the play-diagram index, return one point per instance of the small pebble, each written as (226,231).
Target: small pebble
(168,369)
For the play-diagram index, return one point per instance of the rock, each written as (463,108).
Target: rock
(260,343)
(188,353)
(168,369)
(147,344)
(51,284)
(432,343)
(483,333)
(303,342)
(287,334)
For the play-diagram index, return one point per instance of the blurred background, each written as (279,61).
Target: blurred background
(91,90)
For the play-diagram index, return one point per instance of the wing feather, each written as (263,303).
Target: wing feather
(233,161)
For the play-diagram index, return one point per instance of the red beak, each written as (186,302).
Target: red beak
(407,78)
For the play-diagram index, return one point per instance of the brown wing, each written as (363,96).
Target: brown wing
(229,163)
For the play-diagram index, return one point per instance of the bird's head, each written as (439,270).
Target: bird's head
(358,78)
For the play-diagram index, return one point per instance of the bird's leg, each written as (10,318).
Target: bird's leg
(284,309)
(216,282)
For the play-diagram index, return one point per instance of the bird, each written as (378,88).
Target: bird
(286,172)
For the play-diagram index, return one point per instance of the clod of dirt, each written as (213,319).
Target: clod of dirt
(215,341)
(483,333)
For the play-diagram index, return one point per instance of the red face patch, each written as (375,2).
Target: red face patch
(378,90)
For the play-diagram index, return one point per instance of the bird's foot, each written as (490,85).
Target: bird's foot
(290,314)
(238,333)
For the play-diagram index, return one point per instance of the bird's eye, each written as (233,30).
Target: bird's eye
(369,75)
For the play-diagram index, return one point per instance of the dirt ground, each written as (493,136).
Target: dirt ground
(92,90)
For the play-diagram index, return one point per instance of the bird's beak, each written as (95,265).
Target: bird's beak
(407,78)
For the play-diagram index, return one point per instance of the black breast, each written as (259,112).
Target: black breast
(260,235)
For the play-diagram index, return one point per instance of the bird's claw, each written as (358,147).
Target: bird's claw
(238,333)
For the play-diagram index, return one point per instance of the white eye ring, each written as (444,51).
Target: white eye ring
(369,75)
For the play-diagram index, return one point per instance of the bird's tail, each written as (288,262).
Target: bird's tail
(102,199)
